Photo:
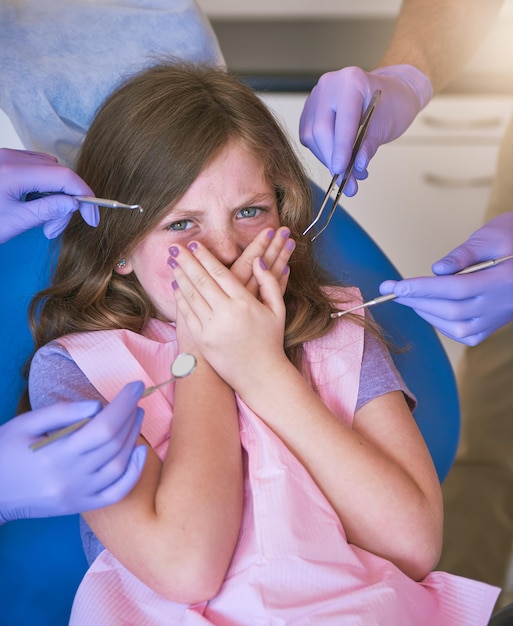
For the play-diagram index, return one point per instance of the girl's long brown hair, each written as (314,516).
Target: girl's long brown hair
(147,144)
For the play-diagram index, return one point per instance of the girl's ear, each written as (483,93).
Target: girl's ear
(123,267)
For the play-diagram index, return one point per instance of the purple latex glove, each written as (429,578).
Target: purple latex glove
(22,172)
(333,110)
(469,307)
(93,467)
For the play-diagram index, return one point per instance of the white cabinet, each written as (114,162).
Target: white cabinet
(227,9)
(427,191)
(306,9)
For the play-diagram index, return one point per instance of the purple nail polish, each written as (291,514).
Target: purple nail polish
(290,245)
(193,246)
(262,264)
(174,284)
(285,233)
(172,262)
(174,251)
(286,270)
(270,234)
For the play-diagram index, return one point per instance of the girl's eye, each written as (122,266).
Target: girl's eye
(250,211)
(180,225)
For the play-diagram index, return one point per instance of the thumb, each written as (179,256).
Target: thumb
(59,415)
(53,228)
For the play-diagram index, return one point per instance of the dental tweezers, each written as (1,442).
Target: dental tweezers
(110,204)
(391,296)
(360,136)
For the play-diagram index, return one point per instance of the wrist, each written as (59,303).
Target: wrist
(262,386)
(410,75)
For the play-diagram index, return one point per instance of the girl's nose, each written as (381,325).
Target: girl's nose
(224,245)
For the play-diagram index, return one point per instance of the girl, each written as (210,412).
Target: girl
(286,481)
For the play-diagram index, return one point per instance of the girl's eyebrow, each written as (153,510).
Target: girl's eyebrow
(250,199)
(266,198)
(262,196)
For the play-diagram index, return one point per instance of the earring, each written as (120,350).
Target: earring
(121,263)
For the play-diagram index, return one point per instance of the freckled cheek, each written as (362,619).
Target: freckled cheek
(250,234)
(156,277)
(161,294)
(163,279)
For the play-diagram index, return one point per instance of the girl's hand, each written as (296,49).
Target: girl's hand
(275,248)
(239,335)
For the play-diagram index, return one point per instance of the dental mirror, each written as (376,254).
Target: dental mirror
(181,367)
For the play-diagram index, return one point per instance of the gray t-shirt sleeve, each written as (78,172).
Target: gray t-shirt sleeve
(378,374)
(55,377)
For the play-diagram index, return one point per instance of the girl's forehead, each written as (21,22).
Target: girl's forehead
(234,169)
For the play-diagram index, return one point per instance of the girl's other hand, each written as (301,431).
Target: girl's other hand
(275,248)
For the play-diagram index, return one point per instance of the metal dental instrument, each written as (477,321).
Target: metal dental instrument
(391,296)
(181,367)
(360,136)
(110,204)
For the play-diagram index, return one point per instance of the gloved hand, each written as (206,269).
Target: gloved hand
(332,113)
(22,172)
(93,467)
(468,307)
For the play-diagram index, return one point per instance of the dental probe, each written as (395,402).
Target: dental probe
(391,296)
(110,204)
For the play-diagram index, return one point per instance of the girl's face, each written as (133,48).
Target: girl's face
(227,205)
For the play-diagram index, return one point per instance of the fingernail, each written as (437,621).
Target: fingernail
(270,234)
(139,456)
(192,245)
(337,166)
(174,284)
(285,233)
(262,264)
(387,286)
(290,245)
(172,262)
(286,270)
(174,251)
(361,162)
(136,388)
(90,407)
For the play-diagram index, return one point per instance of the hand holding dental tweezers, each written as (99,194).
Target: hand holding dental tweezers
(391,296)
(360,136)
(110,204)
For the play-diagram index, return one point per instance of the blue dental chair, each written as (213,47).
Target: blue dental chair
(41,561)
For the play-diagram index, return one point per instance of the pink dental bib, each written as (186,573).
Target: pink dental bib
(292,564)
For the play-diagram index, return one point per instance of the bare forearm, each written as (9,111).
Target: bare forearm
(202,473)
(439,36)
(177,529)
